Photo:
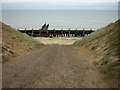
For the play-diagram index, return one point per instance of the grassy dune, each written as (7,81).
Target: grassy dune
(105,46)
(16,43)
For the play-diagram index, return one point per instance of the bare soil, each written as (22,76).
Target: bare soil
(53,66)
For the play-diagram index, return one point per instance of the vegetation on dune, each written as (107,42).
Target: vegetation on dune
(16,43)
(105,45)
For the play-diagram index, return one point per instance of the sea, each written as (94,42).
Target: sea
(59,19)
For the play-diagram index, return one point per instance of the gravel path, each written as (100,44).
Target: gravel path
(53,66)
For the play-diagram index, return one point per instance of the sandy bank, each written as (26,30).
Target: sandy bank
(59,41)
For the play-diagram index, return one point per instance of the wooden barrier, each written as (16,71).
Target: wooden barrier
(54,33)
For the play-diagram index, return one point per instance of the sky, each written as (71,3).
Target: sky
(60,4)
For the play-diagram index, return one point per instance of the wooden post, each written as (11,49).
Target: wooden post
(32,32)
(69,33)
(66,35)
(63,35)
(47,31)
(76,33)
(39,32)
(47,26)
(25,30)
(43,27)
(83,32)
(54,31)
(73,35)
(61,31)
(91,30)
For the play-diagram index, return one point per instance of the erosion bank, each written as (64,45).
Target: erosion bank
(104,46)
(15,43)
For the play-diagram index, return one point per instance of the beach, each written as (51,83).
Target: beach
(57,40)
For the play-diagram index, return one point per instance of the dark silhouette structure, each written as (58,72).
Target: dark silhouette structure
(56,33)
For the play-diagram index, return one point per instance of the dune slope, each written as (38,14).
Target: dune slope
(15,43)
(104,44)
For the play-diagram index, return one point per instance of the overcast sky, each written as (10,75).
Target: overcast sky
(60,4)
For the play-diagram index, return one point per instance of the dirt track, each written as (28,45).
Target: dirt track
(53,66)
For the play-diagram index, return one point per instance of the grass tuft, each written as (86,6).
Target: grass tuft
(112,67)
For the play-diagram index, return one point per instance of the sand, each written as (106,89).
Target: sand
(59,41)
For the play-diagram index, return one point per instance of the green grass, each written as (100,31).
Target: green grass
(105,61)
(112,67)
(24,37)
(30,39)
(16,38)
(114,42)
(111,49)
(96,63)
(95,35)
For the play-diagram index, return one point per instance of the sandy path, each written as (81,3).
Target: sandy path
(62,41)
(54,66)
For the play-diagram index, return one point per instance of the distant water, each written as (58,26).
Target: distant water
(59,18)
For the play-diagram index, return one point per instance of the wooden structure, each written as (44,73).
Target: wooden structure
(56,33)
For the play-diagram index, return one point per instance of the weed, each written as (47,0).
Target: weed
(113,66)
(94,47)
(103,71)
(95,63)
(105,61)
